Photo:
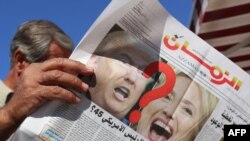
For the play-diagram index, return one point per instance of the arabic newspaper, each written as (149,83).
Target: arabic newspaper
(154,80)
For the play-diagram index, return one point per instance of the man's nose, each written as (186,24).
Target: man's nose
(132,74)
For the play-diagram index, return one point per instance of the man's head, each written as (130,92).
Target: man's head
(36,41)
(33,40)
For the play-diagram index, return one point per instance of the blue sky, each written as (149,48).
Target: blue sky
(74,17)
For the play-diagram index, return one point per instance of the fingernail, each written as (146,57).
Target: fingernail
(78,99)
(85,86)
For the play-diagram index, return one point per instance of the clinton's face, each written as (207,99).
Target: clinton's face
(161,121)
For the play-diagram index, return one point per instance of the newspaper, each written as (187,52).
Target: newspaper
(154,80)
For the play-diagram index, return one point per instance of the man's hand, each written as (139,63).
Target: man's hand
(39,83)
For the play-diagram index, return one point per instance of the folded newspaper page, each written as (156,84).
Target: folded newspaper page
(154,80)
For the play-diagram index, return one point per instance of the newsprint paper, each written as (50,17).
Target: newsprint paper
(154,80)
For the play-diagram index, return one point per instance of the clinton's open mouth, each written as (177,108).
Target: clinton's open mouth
(160,131)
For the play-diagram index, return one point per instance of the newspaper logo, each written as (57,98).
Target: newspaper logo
(218,75)
(239,132)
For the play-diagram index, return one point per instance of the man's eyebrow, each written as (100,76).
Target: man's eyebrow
(131,61)
(126,57)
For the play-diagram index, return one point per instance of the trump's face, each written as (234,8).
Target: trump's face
(119,81)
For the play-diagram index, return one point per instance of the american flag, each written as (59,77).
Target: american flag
(225,24)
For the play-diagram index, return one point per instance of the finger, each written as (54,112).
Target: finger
(67,65)
(66,80)
(59,93)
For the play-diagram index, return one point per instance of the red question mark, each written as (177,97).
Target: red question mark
(162,91)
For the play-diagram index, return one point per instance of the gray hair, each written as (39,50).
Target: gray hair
(33,39)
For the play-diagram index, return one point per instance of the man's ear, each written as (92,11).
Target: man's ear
(19,61)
